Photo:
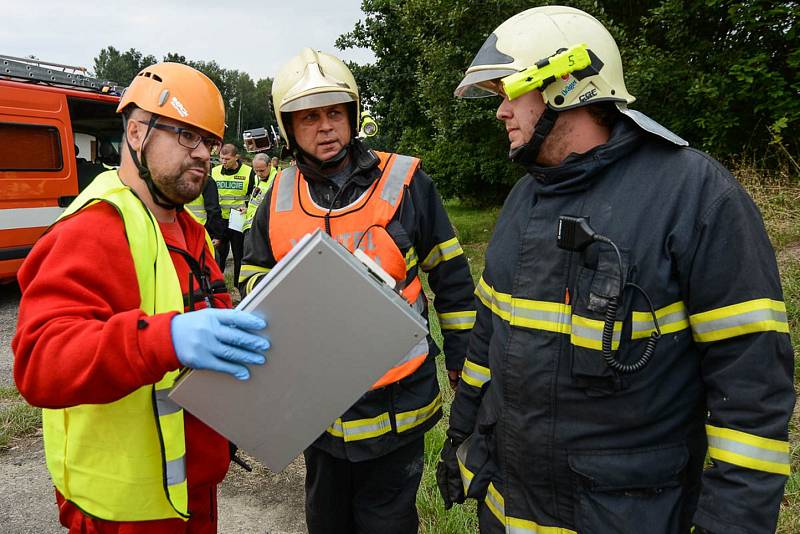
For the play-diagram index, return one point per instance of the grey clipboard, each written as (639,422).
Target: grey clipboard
(335,329)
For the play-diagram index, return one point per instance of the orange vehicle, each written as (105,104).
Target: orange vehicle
(58,130)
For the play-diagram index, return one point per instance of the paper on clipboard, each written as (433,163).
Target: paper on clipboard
(236,222)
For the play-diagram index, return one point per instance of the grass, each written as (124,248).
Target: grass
(473,227)
(17,418)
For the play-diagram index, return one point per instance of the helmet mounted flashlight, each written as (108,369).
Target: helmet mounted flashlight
(546,71)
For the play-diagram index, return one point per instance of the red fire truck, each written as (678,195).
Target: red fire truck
(58,130)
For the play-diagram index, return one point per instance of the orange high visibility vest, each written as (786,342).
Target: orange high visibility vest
(361,224)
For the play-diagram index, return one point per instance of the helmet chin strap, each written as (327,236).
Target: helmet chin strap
(144,173)
(526,154)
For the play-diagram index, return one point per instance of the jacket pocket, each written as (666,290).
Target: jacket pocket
(475,462)
(629,491)
(595,286)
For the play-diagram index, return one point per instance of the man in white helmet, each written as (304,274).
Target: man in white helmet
(630,314)
(362,474)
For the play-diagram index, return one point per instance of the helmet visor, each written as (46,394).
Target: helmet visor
(317,100)
(481,83)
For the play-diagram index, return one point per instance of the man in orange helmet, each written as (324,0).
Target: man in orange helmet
(119,295)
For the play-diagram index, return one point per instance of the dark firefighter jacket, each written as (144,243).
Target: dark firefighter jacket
(562,441)
(396,414)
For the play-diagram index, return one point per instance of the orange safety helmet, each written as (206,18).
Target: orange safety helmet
(179,92)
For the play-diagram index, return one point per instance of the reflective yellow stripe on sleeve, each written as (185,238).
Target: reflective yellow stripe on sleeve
(475,375)
(748,450)
(359,429)
(251,283)
(442,252)
(247,271)
(463,320)
(411,259)
(494,501)
(408,420)
(336,429)
(366,428)
(760,315)
(466,474)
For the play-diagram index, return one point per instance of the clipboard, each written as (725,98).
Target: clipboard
(335,328)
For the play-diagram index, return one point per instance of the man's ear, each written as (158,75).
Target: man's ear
(134,132)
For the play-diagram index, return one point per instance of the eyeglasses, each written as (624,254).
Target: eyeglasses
(188,138)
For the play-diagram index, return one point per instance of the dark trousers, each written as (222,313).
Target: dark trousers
(373,497)
(235,241)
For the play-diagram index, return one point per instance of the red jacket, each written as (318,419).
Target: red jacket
(80,305)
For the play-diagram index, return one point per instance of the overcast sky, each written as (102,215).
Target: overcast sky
(256,37)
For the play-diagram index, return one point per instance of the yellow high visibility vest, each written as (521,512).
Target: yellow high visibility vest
(197,207)
(116,461)
(256,198)
(232,188)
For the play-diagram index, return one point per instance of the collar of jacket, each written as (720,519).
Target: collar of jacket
(231,172)
(578,171)
(364,163)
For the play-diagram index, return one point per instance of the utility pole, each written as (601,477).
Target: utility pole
(239,121)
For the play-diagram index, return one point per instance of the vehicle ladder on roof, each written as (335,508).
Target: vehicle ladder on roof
(18,68)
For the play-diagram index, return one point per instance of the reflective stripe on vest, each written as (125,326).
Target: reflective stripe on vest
(111,460)
(232,188)
(362,223)
(197,207)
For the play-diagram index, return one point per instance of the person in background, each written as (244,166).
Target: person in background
(235,182)
(265,171)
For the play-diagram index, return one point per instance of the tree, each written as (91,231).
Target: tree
(120,67)
(725,74)
(246,102)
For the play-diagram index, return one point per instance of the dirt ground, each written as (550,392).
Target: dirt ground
(259,502)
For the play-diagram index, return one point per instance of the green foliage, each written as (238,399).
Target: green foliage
(120,67)
(723,74)
(246,101)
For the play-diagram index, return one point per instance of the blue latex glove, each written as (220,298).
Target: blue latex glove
(219,340)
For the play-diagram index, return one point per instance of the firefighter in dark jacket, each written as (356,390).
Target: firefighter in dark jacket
(364,471)
(630,314)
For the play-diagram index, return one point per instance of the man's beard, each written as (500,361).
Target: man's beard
(183,188)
